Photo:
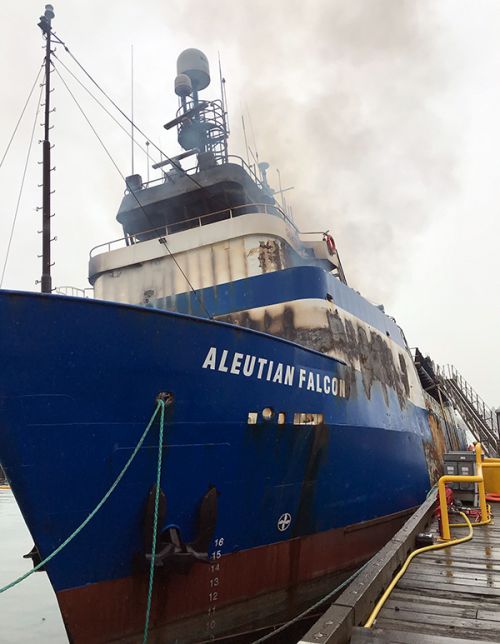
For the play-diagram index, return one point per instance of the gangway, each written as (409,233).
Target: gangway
(478,416)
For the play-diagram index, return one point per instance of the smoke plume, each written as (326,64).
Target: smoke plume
(341,97)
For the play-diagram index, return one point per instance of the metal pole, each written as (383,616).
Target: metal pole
(46,282)
(132,129)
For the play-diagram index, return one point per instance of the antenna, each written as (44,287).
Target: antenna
(245,136)
(223,99)
(253,137)
(222,81)
(132,102)
(282,190)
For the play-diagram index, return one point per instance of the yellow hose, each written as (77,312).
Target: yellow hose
(476,523)
(436,546)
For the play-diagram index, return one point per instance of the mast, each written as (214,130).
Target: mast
(45,25)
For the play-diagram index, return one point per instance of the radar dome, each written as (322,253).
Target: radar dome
(194,63)
(183,85)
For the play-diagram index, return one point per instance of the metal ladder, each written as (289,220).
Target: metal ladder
(480,419)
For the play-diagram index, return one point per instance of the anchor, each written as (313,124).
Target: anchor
(172,553)
(34,555)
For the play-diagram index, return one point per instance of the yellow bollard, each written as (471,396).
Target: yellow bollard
(482,493)
(445,521)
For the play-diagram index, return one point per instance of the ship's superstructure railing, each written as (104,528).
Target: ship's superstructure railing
(479,417)
(74,291)
(178,169)
(194,222)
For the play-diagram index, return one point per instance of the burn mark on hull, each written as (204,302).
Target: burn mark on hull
(435,447)
(342,339)
(270,256)
(305,522)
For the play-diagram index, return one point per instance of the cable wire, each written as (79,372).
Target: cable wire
(333,592)
(12,228)
(145,636)
(125,116)
(100,104)
(20,117)
(195,292)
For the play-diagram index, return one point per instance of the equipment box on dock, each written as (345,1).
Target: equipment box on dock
(463,464)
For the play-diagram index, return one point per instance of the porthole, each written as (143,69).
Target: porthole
(267,413)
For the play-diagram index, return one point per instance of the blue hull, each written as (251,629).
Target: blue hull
(78,384)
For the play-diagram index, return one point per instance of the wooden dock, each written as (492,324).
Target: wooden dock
(449,596)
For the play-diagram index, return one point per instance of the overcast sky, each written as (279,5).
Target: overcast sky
(383,115)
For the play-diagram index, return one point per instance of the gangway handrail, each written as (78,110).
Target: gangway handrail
(479,417)
(452,373)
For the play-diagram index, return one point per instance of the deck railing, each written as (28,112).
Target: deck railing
(193,222)
(251,169)
(74,291)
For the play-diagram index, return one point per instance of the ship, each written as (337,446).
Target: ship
(297,435)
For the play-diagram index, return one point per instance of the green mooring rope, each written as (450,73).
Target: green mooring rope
(160,405)
(155,527)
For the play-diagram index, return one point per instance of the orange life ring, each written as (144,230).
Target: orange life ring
(330,244)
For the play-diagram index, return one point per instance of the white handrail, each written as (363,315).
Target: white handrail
(270,209)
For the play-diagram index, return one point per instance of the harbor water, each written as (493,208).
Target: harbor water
(29,611)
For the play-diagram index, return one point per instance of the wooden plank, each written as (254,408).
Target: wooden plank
(460,562)
(456,623)
(491,615)
(452,566)
(454,571)
(448,598)
(453,581)
(453,575)
(469,612)
(440,586)
(383,636)
(424,628)
(459,554)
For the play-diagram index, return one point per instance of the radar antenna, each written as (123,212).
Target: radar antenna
(201,125)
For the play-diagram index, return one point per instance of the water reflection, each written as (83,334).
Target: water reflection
(29,611)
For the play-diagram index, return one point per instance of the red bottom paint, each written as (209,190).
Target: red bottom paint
(238,592)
